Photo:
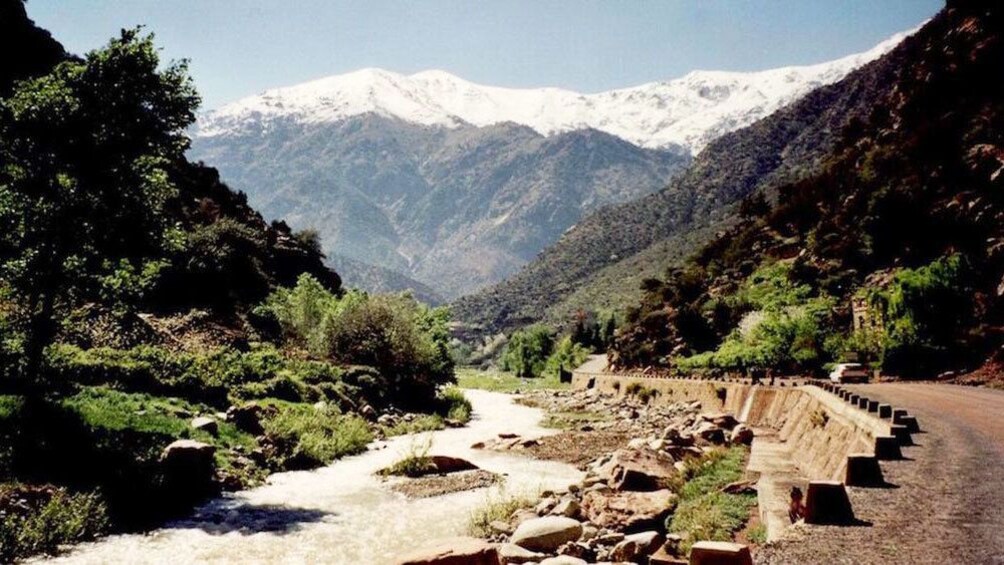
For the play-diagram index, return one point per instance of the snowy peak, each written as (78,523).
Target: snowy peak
(689,111)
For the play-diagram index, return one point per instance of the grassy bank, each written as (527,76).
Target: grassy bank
(504,381)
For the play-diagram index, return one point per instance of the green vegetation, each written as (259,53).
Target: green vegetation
(305,437)
(138,292)
(567,355)
(50,517)
(703,511)
(413,464)
(641,391)
(405,341)
(527,351)
(757,534)
(785,326)
(504,381)
(497,507)
(573,420)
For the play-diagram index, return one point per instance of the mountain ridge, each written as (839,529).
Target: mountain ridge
(688,111)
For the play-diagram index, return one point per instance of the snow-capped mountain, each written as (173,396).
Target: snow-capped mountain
(689,111)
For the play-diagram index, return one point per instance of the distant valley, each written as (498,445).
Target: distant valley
(431,183)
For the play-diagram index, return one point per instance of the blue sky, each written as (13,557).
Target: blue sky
(241,47)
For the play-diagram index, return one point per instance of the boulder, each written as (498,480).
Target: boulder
(512,553)
(546,534)
(188,453)
(723,420)
(637,545)
(206,424)
(628,511)
(189,469)
(567,507)
(455,551)
(741,435)
(446,464)
(639,470)
(247,418)
(368,412)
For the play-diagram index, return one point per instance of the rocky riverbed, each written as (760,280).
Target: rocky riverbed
(637,457)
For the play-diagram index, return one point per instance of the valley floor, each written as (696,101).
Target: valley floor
(946,502)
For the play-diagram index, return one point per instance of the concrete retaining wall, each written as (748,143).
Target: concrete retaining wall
(821,429)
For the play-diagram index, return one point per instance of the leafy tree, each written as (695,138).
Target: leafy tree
(528,350)
(85,152)
(567,355)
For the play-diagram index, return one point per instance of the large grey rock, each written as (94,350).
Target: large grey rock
(546,534)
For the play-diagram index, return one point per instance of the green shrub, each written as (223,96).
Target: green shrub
(218,377)
(527,352)
(498,506)
(704,512)
(567,356)
(306,437)
(454,404)
(415,463)
(48,522)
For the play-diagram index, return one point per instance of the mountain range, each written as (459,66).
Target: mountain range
(602,262)
(450,186)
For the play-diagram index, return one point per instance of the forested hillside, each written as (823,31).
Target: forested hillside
(787,145)
(159,341)
(903,217)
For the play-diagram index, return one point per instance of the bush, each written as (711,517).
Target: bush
(49,519)
(455,405)
(305,437)
(415,463)
(406,342)
(567,356)
(527,351)
(497,507)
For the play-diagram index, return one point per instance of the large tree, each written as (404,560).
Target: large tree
(84,159)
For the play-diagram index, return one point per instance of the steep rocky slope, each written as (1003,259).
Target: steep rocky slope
(455,208)
(787,145)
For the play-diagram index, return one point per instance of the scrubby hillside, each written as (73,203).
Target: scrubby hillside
(902,219)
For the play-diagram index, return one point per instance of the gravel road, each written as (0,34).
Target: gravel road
(947,502)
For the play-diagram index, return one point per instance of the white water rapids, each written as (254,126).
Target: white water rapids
(342,513)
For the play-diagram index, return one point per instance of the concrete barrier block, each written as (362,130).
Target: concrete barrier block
(898,415)
(887,448)
(911,424)
(862,402)
(826,502)
(863,470)
(873,406)
(885,411)
(720,553)
(854,399)
(902,434)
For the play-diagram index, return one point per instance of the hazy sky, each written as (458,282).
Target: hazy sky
(241,47)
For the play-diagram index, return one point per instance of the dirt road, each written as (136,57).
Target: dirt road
(947,502)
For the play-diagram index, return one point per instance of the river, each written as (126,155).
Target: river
(342,513)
